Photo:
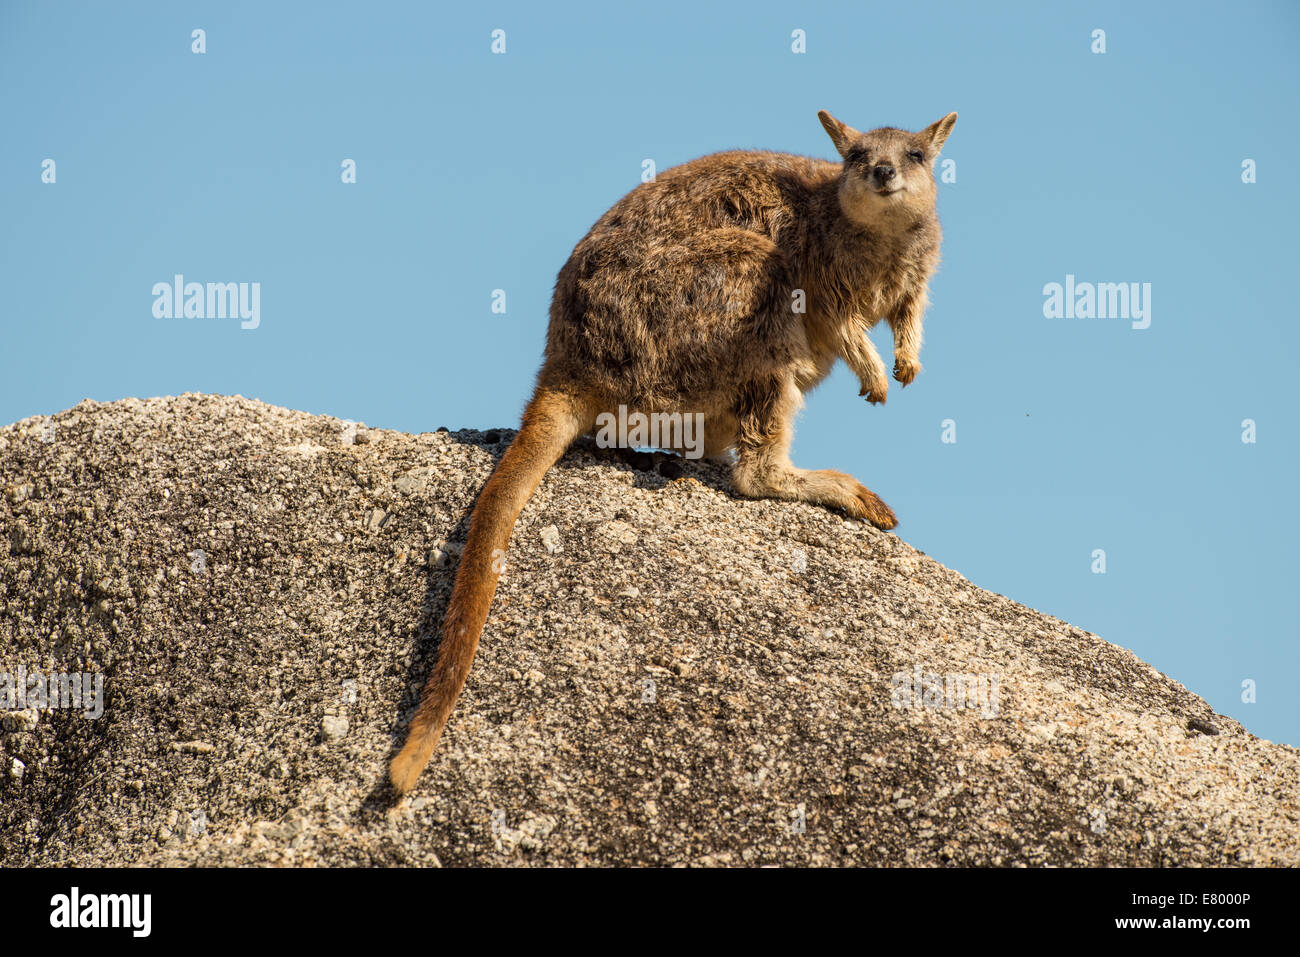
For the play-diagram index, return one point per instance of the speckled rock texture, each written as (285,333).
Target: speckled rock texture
(670,675)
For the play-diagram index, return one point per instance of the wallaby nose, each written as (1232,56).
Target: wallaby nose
(884,174)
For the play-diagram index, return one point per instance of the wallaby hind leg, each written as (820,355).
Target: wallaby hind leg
(765,418)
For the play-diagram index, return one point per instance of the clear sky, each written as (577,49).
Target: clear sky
(478,171)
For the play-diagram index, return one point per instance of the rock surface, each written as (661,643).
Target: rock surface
(670,674)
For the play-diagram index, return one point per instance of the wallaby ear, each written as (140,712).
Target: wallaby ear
(840,133)
(937,132)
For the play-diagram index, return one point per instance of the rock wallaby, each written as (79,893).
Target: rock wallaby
(727,286)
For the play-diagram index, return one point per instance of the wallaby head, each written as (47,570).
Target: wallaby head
(888,176)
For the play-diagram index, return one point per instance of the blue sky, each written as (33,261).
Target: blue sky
(478,171)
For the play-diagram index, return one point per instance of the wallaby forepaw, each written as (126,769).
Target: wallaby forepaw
(876,394)
(905,369)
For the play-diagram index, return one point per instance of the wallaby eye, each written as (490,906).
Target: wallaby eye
(916,155)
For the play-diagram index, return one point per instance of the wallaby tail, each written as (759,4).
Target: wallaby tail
(551,422)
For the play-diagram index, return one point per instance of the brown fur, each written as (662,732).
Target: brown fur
(681,299)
